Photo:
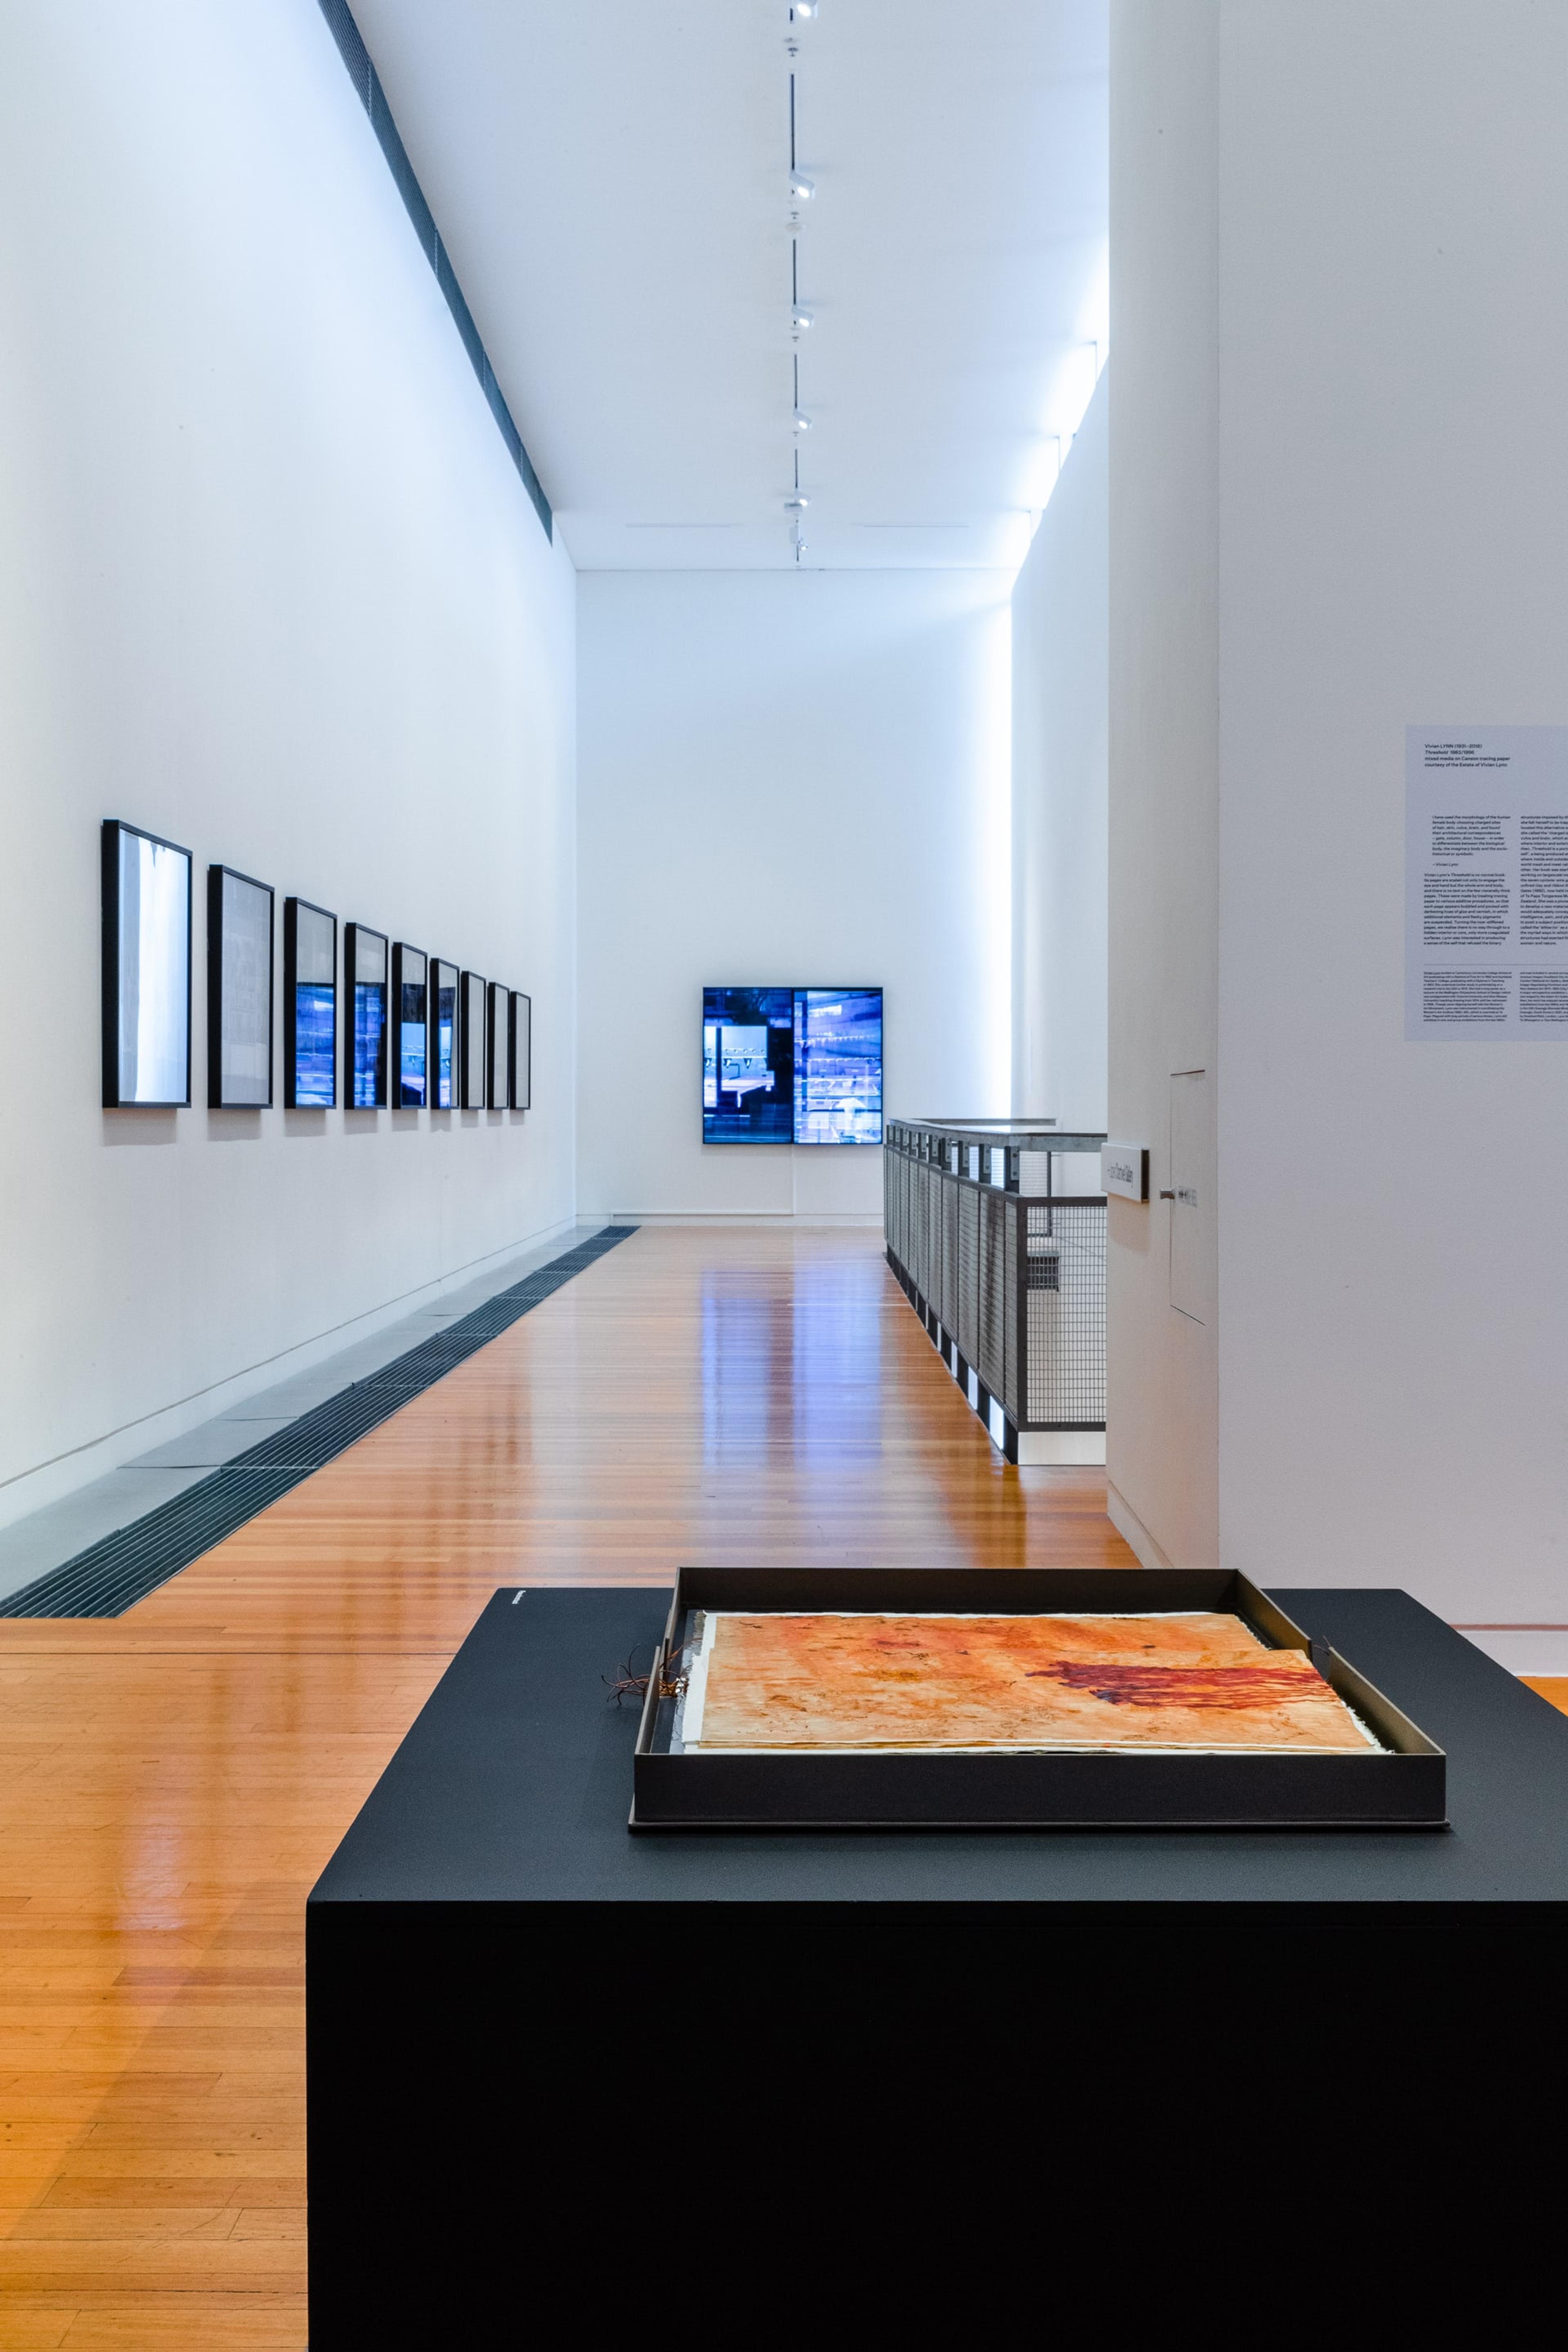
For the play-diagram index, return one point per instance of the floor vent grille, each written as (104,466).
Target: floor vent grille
(112,1574)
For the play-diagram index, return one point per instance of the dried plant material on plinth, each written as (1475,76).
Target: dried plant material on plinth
(865,1680)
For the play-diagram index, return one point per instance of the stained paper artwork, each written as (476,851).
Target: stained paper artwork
(868,1680)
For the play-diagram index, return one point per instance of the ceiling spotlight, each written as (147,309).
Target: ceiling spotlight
(801,189)
(800,319)
(803,10)
(801,421)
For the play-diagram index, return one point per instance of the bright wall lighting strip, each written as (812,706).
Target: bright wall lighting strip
(373,98)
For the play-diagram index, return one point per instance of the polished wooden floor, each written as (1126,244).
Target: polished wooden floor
(170,1783)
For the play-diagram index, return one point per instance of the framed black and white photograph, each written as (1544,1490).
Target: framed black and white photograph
(498,1046)
(444,1073)
(146,970)
(410,1027)
(239,990)
(474,994)
(309,1006)
(365,1051)
(519,1059)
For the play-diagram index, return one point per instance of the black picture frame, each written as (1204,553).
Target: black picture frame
(444,1088)
(365,1082)
(520,1052)
(475,994)
(497,1045)
(409,1023)
(226,998)
(114,832)
(292,910)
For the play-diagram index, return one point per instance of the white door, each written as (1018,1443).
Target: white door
(1194,1224)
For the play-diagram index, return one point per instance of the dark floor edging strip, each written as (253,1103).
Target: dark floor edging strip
(112,1574)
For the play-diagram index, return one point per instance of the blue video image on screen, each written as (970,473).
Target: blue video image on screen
(748,1064)
(412,1035)
(370,1013)
(315,1044)
(839,1066)
(445,1040)
(791,1065)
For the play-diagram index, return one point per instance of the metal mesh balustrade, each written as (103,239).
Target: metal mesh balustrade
(968,1270)
(898,1167)
(917,1223)
(913,1214)
(1018,1281)
(918,1189)
(991,1343)
(948,1257)
(933,1233)
(1012,1382)
(1065,1313)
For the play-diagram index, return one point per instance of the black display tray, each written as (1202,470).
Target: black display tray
(1404,1787)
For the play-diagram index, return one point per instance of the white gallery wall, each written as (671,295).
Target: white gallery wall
(793,778)
(1060,716)
(1342,325)
(271,587)
(1162,1396)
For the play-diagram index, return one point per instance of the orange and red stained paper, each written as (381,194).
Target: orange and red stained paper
(873,1680)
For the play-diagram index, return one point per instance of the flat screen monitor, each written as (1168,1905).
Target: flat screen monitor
(791,1065)
(839,1066)
(411,1027)
(519,1060)
(364,1026)
(747,1066)
(309,1006)
(500,1046)
(239,990)
(444,1071)
(474,1041)
(146,970)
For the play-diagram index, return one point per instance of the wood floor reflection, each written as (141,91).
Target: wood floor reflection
(170,1783)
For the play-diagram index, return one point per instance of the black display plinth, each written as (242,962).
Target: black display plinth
(543,2053)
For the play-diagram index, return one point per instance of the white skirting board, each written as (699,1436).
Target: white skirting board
(1038,1448)
(744,1217)
(1131,1529)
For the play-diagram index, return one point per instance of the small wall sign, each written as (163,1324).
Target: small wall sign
(1124,1170)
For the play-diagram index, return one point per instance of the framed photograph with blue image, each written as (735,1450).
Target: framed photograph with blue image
(443,1044)
(309,1006)
(410,1027)
(365,1052)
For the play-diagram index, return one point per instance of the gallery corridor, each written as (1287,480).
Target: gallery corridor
(174,1779)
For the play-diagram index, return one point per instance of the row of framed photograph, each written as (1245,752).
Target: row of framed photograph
(406,1029)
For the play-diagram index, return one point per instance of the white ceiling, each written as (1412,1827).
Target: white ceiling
(611,178)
